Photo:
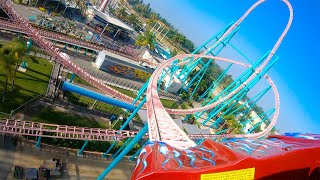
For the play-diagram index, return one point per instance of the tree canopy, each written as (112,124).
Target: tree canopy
(147,40)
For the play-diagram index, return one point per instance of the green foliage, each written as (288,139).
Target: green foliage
(233,125)
(173,35)
(257,129)
(191,119)
(173,53)
(184,105)
(27,85)
(51,116)
(6,63)
(132,19)
(147,39)
(116,124)
(185,95)
(169,103)
(97,146)
(274,131)
(78,80)
(190,103)
(86,102)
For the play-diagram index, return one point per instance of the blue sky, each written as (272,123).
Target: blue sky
(297,72)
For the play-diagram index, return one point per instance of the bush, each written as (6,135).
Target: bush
(184,106)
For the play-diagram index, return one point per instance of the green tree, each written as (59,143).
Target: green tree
(147,39)
(19,51)
(232,124)
(173,53)
(7,60)
(133,20)
(121,13)
(274,131)
(257,129)
(154,16)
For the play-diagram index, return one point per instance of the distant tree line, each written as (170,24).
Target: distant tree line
(173,35)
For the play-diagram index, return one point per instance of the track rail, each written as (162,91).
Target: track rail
(29,128)
(62,131)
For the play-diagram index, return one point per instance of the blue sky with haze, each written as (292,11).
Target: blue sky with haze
(297,72)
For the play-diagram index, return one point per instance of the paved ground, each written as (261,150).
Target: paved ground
(25,155)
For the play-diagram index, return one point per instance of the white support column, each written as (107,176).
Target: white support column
(104,29)
(153,26)
(116,33)
(104,4)
(160,32)
(159,27)
(164,35)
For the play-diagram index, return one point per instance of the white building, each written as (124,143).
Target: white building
(103,21)
(173,85)
(113,63)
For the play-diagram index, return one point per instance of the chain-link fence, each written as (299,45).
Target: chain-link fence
(23,108)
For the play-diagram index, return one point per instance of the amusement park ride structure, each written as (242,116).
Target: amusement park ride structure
(168,143)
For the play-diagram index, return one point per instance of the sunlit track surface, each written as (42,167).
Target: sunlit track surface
(161,125)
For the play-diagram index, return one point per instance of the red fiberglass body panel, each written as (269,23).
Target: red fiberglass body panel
(294,156)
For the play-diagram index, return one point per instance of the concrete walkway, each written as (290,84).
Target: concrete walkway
(26,156)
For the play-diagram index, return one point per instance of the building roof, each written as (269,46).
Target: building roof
(111,19)
(126,62)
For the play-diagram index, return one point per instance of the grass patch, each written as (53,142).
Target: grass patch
(85,102)
(166,103)
(27,85)
(124,91)
(51,116)
(78,80)
(169,104)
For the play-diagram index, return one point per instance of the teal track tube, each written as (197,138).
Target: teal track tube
(72,78)
(122,147)
(126,123)
(97,96)
(138,152)
(80,151)
(135,140)
(38,144)
(111,147)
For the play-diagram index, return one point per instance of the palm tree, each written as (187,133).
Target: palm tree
(233,125)
(6,63)
(19,52)
(154,16)
(121,12)
(147,39)
(132,19)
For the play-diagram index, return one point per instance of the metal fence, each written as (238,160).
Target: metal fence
(25,105)
(5,115)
